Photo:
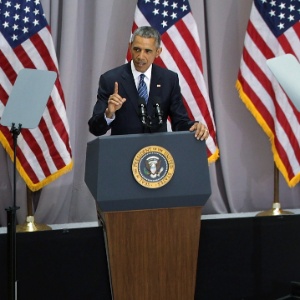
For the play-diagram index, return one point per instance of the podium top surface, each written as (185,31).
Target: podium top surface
(109,173)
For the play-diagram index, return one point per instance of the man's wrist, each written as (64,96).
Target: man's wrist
(109,114)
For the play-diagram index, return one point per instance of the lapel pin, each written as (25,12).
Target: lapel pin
(158,85)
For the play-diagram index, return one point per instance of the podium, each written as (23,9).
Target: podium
(150,189)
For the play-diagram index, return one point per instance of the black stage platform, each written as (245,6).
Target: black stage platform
(239,258)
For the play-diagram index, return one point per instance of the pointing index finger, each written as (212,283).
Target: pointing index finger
(116,90)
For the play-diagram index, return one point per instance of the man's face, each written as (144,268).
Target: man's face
(143,52)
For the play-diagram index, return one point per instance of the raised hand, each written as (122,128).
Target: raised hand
(115,102)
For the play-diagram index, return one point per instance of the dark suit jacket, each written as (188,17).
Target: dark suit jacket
(164,84)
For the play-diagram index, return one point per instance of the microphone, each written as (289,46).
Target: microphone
(142,107)
(158,111)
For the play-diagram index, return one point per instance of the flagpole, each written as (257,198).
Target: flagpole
(30,225)
(276,207)
(207,47)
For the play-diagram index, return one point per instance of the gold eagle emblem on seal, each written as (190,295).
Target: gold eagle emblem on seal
(153,167)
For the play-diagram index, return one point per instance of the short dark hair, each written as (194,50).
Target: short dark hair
(147,32)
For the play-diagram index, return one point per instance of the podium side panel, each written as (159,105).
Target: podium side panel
(153,253)
(91,167)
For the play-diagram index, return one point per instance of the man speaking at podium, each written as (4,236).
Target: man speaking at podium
(139,96)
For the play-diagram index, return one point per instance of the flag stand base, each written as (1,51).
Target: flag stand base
(276,207)
(31,226)
(275,211)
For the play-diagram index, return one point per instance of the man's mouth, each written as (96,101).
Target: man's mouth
(140,63)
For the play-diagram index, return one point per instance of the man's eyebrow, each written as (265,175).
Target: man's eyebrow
(147,49)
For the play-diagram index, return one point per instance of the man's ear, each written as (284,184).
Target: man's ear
(158,52)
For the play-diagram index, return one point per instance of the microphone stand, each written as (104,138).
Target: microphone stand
(146,119)
(158,113)
(11,225)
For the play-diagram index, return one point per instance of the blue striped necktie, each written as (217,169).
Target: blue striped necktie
(142,88)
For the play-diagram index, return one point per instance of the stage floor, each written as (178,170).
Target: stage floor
(240,257)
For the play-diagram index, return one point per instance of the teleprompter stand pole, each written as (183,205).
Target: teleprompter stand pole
(31,89)
(11,226)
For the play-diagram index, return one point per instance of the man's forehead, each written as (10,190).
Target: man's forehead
(143,42)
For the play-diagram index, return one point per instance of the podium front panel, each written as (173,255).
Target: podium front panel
(109,175)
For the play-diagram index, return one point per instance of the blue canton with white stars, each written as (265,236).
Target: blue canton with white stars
(279,15)
(20,19)
(162,14)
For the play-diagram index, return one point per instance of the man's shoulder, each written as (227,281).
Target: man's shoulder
(116,71)
(162,70)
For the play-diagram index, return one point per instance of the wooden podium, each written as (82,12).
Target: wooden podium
(152,225)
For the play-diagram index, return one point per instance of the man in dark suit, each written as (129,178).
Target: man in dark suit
(119,106)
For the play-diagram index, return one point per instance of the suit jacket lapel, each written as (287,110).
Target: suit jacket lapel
(128,84)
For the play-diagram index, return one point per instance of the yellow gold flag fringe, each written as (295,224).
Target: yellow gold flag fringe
(260,120)
(213,157)
(33,186)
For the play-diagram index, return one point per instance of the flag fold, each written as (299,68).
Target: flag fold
(43,153)
(273,30)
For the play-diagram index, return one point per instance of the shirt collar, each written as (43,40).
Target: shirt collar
(136,74)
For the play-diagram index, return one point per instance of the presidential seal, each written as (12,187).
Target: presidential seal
(153,167)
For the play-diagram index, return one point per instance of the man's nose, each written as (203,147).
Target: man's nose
(142,54)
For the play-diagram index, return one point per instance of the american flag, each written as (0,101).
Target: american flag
(182,54)
(43,153)
(273,30)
